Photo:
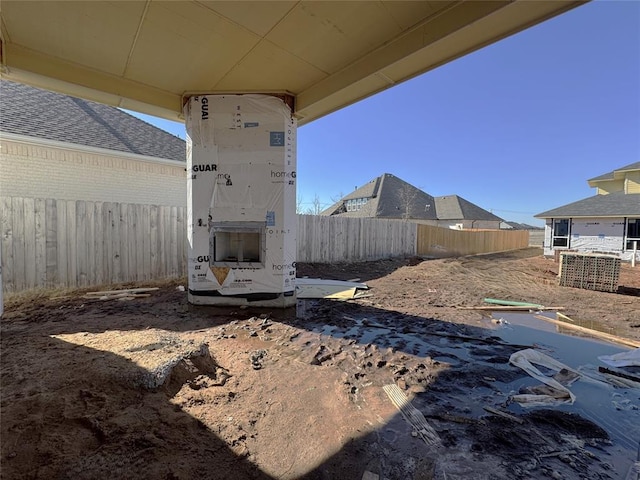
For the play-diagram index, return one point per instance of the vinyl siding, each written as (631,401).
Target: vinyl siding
(610,186)
(632,182)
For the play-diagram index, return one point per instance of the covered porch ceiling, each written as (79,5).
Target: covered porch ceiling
(149,55)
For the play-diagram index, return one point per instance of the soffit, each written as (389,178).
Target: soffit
(149,55)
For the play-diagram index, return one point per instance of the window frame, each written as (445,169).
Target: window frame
(355,204)
(554,237)
(628,240)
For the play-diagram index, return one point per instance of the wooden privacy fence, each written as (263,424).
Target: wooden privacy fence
(50,243)
(443,242)
(69,243)
(341,239)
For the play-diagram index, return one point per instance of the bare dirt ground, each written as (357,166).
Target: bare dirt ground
(156,388)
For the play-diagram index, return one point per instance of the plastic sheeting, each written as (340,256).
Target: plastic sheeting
(558,393)
(592,235)
(622,359)
(241,188)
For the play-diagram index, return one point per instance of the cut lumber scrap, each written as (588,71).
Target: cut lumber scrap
(509,308)
(118,296)
(512,303)
(618,373)
(594,333)
(125,290)
(562,316)
(502,414)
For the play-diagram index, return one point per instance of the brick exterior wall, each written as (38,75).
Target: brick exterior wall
(38,170)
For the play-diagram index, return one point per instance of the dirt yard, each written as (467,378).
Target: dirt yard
(156,388)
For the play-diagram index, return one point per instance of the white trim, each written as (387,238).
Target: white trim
(626,237)
(620,215)
(567,236)
(45,142)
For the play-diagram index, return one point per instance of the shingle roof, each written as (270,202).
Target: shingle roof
(39,113)
(523,226)
(453,207)
(616,204)
(392,197)
(399,199)
(611,175)
(389,197)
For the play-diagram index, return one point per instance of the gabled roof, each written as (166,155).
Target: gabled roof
(453,207)
(392,197)
(612,175)
(42,114)
(399,199)
(389,197)
(523,226)
(616,204)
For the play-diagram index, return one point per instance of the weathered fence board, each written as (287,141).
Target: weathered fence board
(17,211)
(153,241)
(123,222)
(98,243)
(71,236)
(29,219)
(60,247)
(40,242)
(8,277)
(173,243)
(337,239)
(51,254)
(82,244)
(56,243)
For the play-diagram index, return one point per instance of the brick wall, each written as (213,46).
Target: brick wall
(35,170)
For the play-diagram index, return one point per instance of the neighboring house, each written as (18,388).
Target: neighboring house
(388,196)
(607,222)
(625,179)
(519,226)
(65,148)
(455,210)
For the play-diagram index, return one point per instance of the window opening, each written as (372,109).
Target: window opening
(237,244)
(633,232)
(560,232)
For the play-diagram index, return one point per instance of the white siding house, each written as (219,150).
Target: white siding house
(607,222)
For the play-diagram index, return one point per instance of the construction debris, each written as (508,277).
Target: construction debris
(334,289)
(411,414)
(618,373)
(511,303)
(122,295)
(595,333)
(502,414)
(256,358)
(623,359)
(557,393)
(126,290)
(510,308)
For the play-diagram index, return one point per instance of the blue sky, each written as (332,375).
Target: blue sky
(516,128)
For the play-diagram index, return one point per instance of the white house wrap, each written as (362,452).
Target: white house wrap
(241,194)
